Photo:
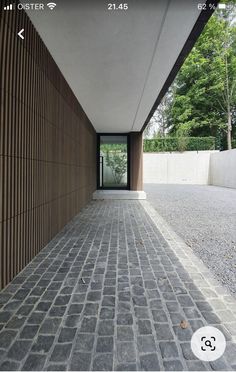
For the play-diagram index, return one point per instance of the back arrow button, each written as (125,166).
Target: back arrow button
(20,33)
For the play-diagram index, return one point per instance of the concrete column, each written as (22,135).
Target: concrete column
(136,161)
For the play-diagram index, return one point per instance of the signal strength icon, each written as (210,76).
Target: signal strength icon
(51,5)
(8,7)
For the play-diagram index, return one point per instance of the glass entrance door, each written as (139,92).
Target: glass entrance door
(113,162)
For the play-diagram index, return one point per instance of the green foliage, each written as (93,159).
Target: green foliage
(182,143)
(116,160)
(204,89)
(113,147)
(168,144)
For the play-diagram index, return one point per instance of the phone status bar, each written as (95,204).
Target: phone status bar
(212,6)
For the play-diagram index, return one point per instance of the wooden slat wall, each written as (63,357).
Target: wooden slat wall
(136,161)
(47,147)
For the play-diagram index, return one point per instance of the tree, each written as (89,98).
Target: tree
(229,60)
(158,125)
(118,165)
(116,160)
(204,91)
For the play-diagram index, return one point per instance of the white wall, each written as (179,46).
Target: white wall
(223,169)
(190,167)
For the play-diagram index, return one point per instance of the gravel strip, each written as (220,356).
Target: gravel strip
(205,217)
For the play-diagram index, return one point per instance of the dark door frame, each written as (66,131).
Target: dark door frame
(98,161)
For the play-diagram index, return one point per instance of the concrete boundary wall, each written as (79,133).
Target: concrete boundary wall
(189,167)
(223,169)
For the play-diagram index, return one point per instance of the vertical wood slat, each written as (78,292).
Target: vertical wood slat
(47,147)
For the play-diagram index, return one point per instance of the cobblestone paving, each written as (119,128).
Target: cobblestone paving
(109,293)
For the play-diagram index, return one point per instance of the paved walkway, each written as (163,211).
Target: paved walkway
(109,293)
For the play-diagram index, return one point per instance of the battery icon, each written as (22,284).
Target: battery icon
(221,6)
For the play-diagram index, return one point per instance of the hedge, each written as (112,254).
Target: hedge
(168,144)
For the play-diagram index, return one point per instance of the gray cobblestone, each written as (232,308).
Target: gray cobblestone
(16,322)
(61,353)
(75,309)
(34,362)
(104,345)
(139,301)
(203,306)
(163,332)
(127,367)
(183,334)
(36,318)
(9,366)
(29,331)
(149,362)
(176,318)
(125,319)
(156,304)
(50,326)
(57,311)
(19,350)
(88,324)
(109,301)
(103,362)
(226,333)
(172,306)
(125,314)
(67,335)
(6,338)
(231,327)
(126,352)
(219,364)
(125,333)
(168,350)
(141,312)
(42,344)
(144,327)
(107,313)
(191,313)
(80,362)
(62,300)
(159,316)
(146,344)
(196,323)
(57,367)
(78,298)
(84,342)
(173,365)
(94,296)
(5,316)
(187,352)
(196,366)
(72,321)
(185,301)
